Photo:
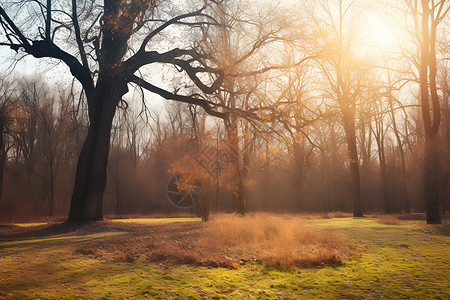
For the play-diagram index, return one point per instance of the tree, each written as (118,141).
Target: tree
(333,24)
(425,16)
(111,42)
(432,14)
(7,106)
(250,34)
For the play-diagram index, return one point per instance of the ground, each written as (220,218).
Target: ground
(159,259)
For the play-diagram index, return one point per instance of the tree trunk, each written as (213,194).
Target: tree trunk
(349,127)
(431,172)
(202,208)
(431,116)
(336,167)
(2,150)
(299,172)
(90,179)
(52,185)
(238,191)
(378,133)
(403,188)
(118,202)
(446,128)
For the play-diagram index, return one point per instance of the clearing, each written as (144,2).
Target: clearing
(338,258)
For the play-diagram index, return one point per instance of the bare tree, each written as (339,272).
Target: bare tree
(112,42)
(7,105)
(332,24)
(425,18)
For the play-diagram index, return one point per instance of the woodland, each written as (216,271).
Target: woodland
(224,149)
(325,106)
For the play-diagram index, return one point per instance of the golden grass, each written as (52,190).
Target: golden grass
(156,220)
(29,224)
(388,220)
(272,239)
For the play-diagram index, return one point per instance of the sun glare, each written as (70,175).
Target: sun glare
(378,33)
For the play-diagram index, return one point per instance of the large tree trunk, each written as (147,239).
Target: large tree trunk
(349,127)
(90,180)
(431,116)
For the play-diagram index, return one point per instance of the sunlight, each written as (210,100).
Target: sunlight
(29,224)
(156,220)
(377,33)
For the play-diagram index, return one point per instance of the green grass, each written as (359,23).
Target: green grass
(411,260)
(131,220)
(156,220)
(29,224)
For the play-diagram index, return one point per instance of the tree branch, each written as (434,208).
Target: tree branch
(167,24)
(206,105)
(76,26)
(14,28)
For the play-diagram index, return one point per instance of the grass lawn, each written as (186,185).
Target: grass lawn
(409,260)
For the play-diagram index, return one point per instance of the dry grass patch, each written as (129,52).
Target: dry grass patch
(388,220)
(272,239)
(226,241)
(339,214)
(412,216)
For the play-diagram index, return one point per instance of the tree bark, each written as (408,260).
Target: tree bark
(431,125)
(349,127)
(90,178)
(431,173)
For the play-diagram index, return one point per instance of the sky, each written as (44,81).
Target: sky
(374,30)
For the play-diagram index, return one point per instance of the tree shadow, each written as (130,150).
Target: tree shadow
(443,229)
(58,229)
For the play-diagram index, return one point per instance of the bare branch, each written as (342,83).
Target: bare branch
(78,34)
(206,105)
(167,24)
